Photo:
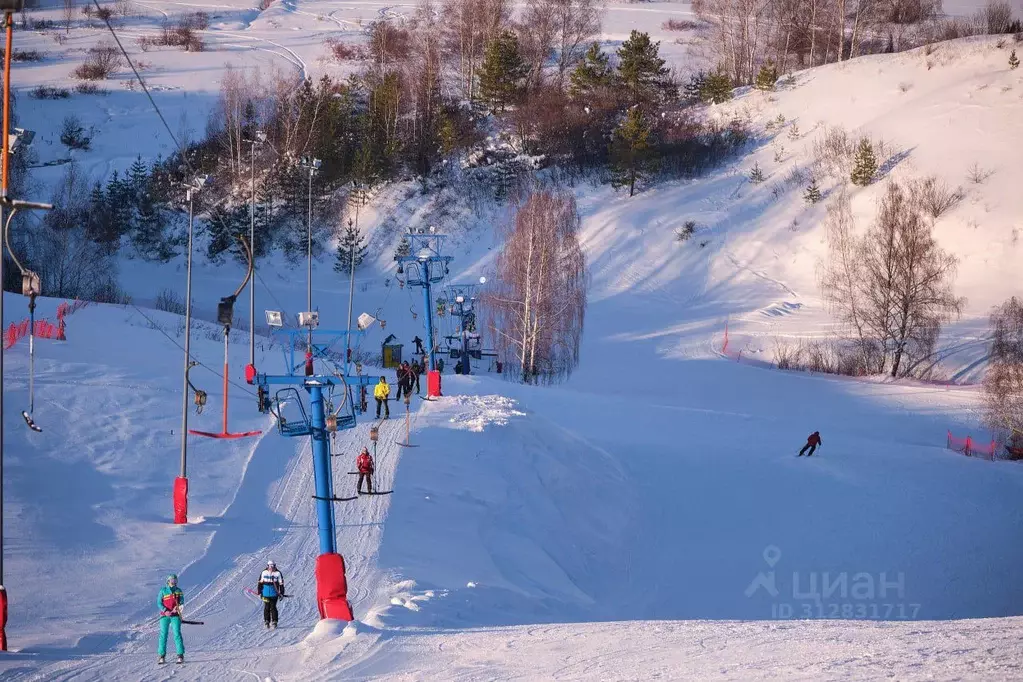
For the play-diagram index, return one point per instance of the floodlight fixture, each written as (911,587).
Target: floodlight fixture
(309,319)
(274,318)
(459,299)
(483,280)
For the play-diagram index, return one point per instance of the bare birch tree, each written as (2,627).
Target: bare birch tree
(893,287)
(1003,383)
(538,299)
(69,14)
(468,27)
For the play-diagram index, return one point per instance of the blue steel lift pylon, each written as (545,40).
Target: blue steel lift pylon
(426,266)
(462,299)
(331,583)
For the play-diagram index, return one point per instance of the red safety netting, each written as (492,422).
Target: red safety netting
(971,448)
(44,329)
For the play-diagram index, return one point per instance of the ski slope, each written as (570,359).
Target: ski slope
(624,525)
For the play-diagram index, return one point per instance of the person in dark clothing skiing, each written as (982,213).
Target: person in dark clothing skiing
(270,588)
(419,346)
(811,443)
(417,369)
(364,463)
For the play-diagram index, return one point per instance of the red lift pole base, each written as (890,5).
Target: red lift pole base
(332,587)
(180,500)
(3,618)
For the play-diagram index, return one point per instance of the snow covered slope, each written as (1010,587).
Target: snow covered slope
(648,518)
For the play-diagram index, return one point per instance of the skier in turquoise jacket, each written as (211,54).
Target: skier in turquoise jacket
(170,601)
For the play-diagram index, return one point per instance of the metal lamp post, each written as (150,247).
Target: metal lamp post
(181,483)
(313,165)
(260,138)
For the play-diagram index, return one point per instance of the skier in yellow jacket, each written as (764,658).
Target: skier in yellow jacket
(381,392)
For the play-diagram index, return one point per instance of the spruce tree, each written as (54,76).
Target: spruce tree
(592,73)
(864,165)
(767,77)
(1013,60)
(631,155)
(694,88)
(349,244)
(640,69)
(404,248)
(138,176)
(717,88)
(813,192)
(756,176)
(502,72)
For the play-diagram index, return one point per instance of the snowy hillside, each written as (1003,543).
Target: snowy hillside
(648,518)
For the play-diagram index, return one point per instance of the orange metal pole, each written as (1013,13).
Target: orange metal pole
(9,25)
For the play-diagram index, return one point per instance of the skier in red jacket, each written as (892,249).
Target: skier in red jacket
(364,464)
(811,443)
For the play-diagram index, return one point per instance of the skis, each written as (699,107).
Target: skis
(334,499)
(192,622)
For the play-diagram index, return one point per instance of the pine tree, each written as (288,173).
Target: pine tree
(351,241)
(592,73)
(756,176)
(813,192)
(138,177)
(404,248)
(794,131)
(767,77)
(222,226)
(148,232)
(1013,60)
(502,72)
(717,88)
(631,155)
(640,69)
(864,165)
(694,88)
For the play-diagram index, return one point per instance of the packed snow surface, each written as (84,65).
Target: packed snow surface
(648,518)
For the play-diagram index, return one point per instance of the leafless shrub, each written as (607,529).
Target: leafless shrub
(978,175)
(995,17)
(170,301)
(538,299)
(893,287)
(820,356)
(342,51)
(69,14)
(101,61)
(934,196)
(90,89)
(679,25)
(123,7)
(685,232)
(47,92)
(1003,383)
(905,87)
(833,153)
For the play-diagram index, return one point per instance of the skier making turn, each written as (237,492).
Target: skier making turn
(270,588)
(811,444)
(364,463)
(169,601)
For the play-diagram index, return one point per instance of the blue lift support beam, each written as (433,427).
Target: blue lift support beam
(318,425)
(425,266)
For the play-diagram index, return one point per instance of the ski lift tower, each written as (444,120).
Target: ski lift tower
(323,418)
(425,266)
(464,297)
